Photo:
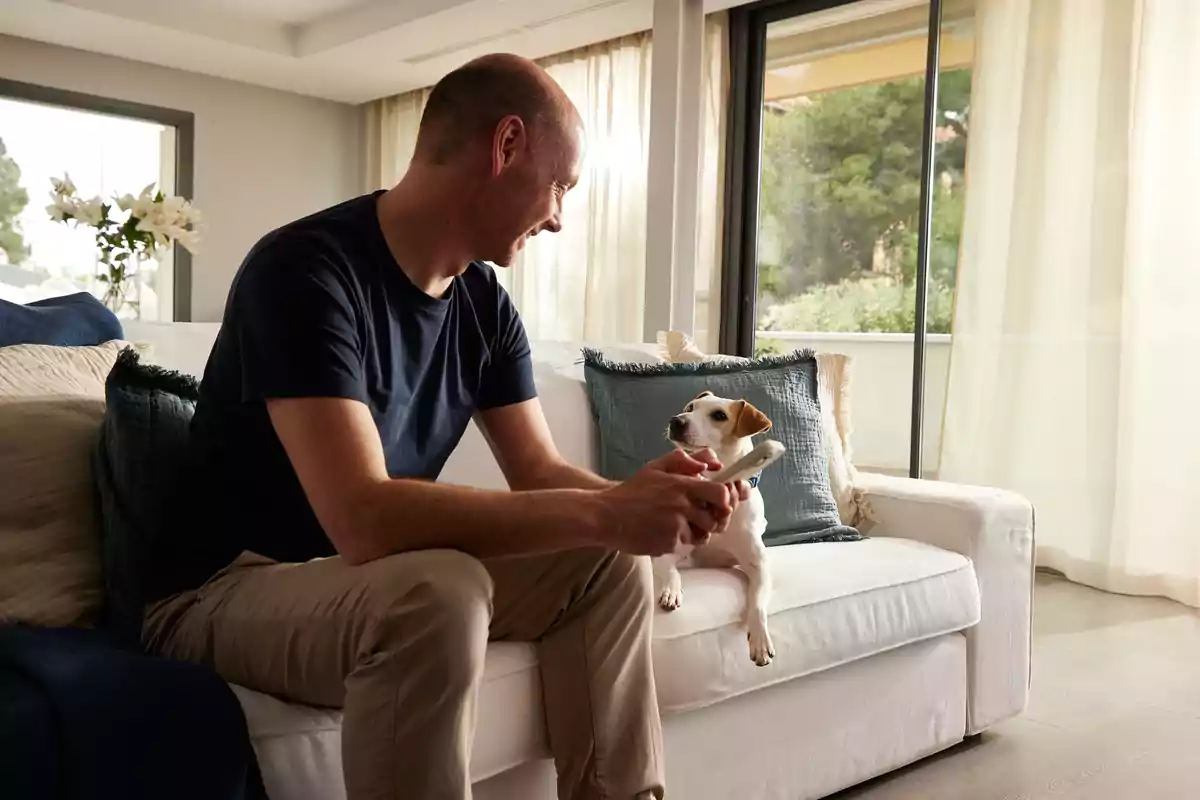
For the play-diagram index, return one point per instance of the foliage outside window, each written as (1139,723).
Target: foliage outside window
(840,198)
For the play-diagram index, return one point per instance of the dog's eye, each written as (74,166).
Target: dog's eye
(688,408)
(720,416)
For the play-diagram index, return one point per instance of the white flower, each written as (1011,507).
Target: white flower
(189,239)
(91,211)
(152,223)
(172,207)
(56,211)
(64,187)
(143,204)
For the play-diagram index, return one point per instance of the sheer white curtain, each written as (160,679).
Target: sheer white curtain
(391,137)
(587,282)
(1077,325)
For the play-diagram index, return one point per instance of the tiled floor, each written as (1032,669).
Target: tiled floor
(1114,714)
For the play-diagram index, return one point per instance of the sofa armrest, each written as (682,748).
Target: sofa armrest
(994,529)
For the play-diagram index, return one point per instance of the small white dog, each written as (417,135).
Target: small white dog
(725,426)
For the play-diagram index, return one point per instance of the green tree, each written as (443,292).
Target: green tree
(841,181)
(13,200)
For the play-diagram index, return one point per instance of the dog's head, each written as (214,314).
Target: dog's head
(711,421)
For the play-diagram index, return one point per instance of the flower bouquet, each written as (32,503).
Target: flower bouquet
(151,222)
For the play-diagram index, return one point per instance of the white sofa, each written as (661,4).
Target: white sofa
(889,649)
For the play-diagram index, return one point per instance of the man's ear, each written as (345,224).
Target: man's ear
(703,394)
(749,421)
(510,133)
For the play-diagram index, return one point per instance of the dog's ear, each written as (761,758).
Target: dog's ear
(703,394)
(749,420)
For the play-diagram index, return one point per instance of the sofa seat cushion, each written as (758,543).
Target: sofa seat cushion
(299,748)
(832,603)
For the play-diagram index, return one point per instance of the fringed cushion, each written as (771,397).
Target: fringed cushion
(141,466)
(834,372)
(632,404)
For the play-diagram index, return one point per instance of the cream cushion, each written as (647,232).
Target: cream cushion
(833,387)
(51,408)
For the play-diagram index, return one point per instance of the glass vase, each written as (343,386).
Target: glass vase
(116,295)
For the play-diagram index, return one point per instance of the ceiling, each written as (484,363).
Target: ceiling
(351,51)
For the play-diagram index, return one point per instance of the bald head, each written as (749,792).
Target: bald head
(468,103)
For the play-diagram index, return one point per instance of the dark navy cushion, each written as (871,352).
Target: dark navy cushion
(73,320)
(140,467)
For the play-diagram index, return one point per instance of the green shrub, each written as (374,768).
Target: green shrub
(866,305)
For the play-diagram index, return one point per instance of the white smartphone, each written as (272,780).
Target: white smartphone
(749,465)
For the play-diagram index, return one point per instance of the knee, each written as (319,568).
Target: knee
(624,575)
(434,604)
(635,573)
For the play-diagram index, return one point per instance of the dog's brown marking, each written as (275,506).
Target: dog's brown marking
(748,420)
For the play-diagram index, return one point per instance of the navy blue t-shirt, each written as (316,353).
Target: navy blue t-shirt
(320,308)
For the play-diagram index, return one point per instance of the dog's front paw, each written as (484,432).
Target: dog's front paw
(670,597)
(762,649)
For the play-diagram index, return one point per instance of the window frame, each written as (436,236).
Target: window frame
(743,161)
(184,124)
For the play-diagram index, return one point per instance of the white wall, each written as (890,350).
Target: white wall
(262,158)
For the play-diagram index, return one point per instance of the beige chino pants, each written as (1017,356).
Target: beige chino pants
(399,644)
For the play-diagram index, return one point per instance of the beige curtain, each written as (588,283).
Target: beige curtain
(587,282)
(391,137)
(1072,375)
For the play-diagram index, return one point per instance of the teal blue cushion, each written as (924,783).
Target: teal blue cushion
(632,404)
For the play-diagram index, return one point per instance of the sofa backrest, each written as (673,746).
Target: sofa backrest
(557,367)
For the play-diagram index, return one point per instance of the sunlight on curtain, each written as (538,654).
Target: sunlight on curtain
(587,282)
(712,185)
(391,137)
(1077,322)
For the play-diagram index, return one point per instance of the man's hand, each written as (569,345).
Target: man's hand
(665,503)
(739,491)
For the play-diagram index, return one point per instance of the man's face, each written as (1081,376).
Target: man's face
(530,191)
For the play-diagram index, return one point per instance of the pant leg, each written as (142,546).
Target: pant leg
(399,643)
(591,613)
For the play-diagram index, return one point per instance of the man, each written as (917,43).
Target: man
(356,345)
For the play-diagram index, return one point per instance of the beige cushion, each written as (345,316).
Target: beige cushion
(833,385)
(51,408)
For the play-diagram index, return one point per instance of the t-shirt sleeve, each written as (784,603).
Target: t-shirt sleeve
(298,333)
(508,376)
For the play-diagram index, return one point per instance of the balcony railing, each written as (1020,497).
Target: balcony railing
(881,392)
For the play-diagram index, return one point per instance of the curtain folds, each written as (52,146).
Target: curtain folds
(587,282)
(1077,318)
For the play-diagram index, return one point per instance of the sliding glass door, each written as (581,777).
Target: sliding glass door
(825,175)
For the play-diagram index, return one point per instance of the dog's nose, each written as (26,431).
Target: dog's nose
(677,426)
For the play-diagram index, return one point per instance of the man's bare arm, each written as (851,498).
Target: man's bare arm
(523,447)
(334,447)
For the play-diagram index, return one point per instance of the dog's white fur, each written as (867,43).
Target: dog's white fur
(725,426)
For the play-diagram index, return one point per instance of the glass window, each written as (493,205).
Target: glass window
(104,155)
(840,185)
(838,205)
